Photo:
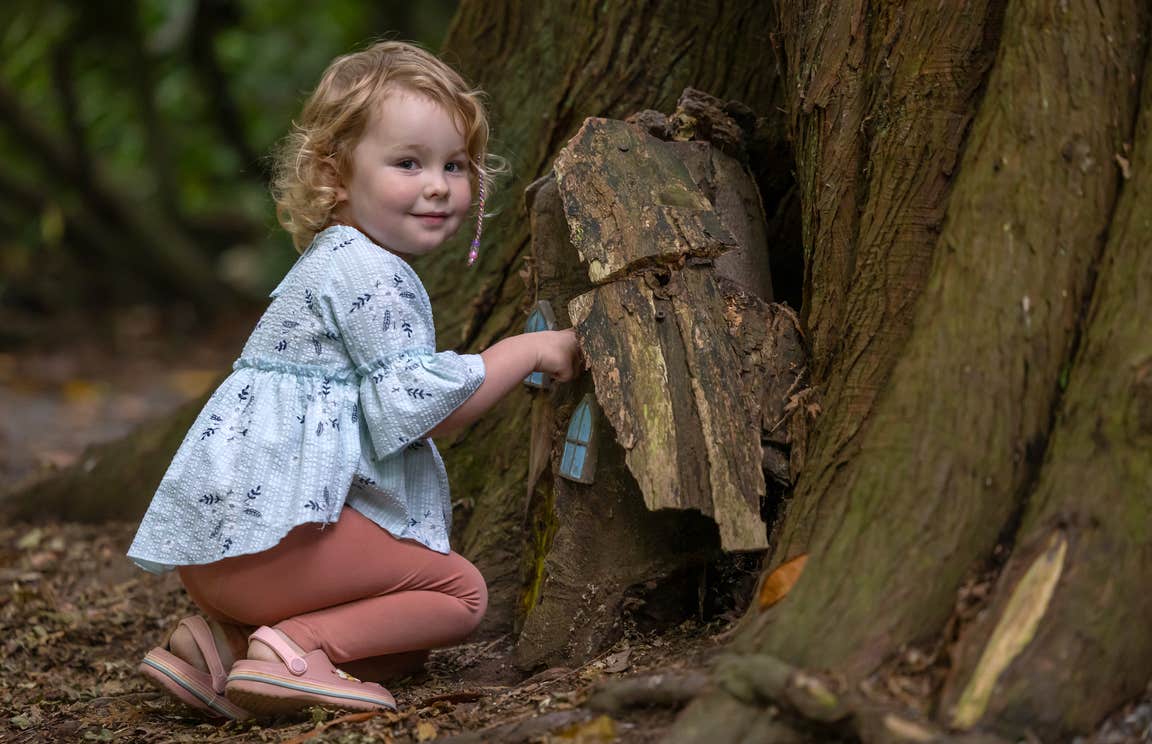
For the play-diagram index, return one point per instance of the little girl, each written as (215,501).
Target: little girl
(308,501)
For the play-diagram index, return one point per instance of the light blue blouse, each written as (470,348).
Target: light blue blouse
(330,403)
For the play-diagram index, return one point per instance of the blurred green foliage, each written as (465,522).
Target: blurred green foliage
(169,108)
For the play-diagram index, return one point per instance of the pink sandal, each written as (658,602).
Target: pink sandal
(295,682)
(203,691)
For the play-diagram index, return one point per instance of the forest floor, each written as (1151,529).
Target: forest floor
(76,616)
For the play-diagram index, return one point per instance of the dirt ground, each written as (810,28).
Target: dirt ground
(76,617)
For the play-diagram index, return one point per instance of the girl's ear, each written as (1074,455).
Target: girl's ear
(332,175)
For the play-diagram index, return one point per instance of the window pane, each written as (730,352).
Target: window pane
(566,459)
(573,434)
(584,415)
(578,454)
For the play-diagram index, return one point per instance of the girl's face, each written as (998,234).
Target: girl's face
(409,188)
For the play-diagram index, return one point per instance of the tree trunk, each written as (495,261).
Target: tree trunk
(917,478)
(1092,505)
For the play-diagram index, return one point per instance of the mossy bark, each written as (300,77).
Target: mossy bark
(1095,495)
(951,448)
(936,423)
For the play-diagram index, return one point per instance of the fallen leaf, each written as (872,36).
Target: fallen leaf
(601,729)
(425,731)
(31,540)
(781,581)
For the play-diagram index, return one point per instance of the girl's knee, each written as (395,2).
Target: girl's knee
(473,591)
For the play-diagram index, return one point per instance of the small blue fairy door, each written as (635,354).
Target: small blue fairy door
(541,319)
(578,462)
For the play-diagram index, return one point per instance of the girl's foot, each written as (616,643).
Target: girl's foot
(190,667)
(229,640)
(280,677)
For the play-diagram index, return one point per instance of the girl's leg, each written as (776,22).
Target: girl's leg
(349,588)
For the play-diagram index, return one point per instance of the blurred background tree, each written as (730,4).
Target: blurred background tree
(134,137)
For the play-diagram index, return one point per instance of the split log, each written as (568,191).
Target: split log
(685,364)
(670,386)
(631,203)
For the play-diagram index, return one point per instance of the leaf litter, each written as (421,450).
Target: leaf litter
(76,617)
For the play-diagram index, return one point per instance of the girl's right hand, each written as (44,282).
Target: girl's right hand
(558,354)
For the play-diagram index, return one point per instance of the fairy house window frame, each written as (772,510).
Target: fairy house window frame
(578,460)
(541,319)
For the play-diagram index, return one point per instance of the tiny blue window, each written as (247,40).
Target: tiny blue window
(541,319)
(578,461)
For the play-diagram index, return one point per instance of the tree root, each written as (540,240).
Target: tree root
(656,690)
(754,690)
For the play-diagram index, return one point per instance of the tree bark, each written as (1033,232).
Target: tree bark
(895,513)
(1092,505)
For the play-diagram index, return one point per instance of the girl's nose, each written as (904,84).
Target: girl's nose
(436,185)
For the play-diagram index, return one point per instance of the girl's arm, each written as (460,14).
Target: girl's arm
(507,363)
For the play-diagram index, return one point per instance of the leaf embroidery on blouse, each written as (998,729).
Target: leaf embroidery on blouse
(282,345)
(211,499)
(355,413)
(345,244)
(408,295)
(418,393)
(208,432)
(386,325)
(319,428)
(396,280)
(290,323)
(316,345)
(243,394)
(253,512)
(407,328)
(360,302)
(324,505)
(227,545)
(253,493)
(326,386)
(335,423)
(365,480)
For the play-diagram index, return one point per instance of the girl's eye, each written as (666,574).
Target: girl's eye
(407,164)
(455,167)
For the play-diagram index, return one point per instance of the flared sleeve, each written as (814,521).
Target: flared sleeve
(380,310)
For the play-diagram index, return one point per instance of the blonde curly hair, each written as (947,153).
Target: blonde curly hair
(316,155)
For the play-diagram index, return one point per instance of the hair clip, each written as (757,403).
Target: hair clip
(475,248)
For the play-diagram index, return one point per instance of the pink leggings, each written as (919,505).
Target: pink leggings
(351,589)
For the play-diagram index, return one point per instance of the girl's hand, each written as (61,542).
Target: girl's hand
(558,354)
